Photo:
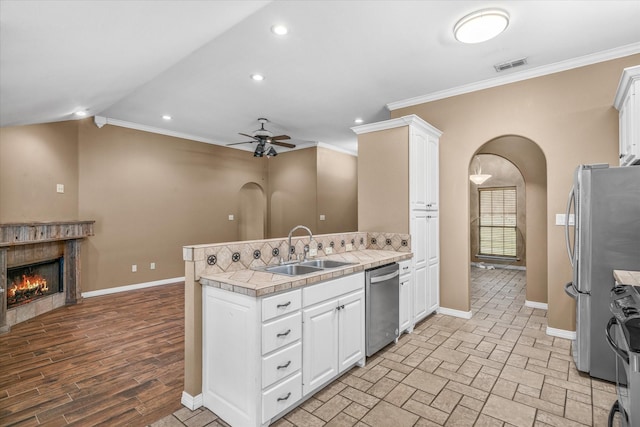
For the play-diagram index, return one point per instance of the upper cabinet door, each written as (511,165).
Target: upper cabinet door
(433,174)
(627,102)
(418,169)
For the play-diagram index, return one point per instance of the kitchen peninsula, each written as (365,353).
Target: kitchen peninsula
(261,343)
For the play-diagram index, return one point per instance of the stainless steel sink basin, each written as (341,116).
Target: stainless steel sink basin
(293,269)
(325,263)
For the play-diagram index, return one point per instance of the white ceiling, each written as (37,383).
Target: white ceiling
(134,61)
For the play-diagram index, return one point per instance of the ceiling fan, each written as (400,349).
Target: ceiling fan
(263,137)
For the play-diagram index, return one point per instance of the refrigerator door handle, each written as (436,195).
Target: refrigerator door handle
(570,202)
(571,291)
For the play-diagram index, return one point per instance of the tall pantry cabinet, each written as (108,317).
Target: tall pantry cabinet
(398,193)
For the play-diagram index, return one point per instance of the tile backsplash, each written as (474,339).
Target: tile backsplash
(233,256)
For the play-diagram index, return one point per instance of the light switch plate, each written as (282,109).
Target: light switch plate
(349,247)
(231,217)
(60,188)
(560,218)
(322,217)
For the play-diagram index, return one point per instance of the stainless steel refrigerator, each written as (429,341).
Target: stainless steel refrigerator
(606,236)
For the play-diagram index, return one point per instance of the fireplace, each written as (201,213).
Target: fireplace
(39,268)
(30,282)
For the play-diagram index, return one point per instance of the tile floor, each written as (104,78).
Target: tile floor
(497,369)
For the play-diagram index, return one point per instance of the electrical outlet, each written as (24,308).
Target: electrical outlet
(313,252)
(349,247)
(60,188)
(328,250)
(134,268)
(152,266)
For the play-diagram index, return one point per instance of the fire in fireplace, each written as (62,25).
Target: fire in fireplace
(29,282)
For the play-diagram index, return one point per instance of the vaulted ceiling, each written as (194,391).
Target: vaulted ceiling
(135,61)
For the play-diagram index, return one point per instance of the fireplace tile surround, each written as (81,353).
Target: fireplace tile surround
(25,243)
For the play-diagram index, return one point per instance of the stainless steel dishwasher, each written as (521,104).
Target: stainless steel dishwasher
(382,305)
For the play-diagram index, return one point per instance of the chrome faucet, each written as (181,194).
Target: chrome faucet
(291,232)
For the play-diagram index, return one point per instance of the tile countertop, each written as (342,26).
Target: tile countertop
(624,277)
(259,283)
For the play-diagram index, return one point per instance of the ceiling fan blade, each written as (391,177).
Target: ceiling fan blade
(283,144)
(237,143)
(248,136)
(280,137)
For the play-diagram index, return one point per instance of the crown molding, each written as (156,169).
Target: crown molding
(629,75)
(544,70)
(334,148)
(101,121)
(410,120)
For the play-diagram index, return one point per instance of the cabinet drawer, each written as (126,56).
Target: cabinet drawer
(405,267)
(281,364)
(334,288)
(281,397)
(281,332)
(278,305)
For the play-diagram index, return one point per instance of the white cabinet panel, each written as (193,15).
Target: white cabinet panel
(418,170)
(320,345)
(351,336)
(433,174)
(627,102)
(406,316)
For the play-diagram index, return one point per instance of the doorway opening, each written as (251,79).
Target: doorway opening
(514,211)
(252,212)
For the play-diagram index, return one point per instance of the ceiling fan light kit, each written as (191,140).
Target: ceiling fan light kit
(263,136)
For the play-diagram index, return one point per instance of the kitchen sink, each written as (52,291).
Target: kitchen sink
(293,269)
(326,263)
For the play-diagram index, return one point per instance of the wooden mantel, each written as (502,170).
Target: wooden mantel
(28,233)
(37,239)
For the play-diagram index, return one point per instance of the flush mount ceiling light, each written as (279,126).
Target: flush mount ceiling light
(358,121)
(80,113)
(257,77)
(481,26)
(279,30)
(166,117)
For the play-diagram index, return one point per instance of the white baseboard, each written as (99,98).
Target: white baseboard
(191,402)
(535,304)
(561,333)
(455,313)
(131,287)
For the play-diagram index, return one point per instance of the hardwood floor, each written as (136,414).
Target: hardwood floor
(111,360)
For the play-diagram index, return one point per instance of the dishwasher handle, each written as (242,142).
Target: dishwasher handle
(378,279)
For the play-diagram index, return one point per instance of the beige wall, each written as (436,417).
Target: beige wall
(383,180)
(337,191)
(292,191)
(33,159)
(568,114)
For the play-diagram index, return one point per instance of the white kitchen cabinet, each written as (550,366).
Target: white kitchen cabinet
(627,102)
(257,352)
(333,328)
(426,263)
(406,297)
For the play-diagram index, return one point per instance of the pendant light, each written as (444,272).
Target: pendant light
(478,177)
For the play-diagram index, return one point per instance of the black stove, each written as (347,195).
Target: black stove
(623,335)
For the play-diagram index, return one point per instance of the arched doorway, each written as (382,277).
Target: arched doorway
(525,155)
(251,212)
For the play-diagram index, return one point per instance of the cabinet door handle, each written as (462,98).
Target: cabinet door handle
(287,304)
(286,365)
(284,398)
(284,334)
(338,308)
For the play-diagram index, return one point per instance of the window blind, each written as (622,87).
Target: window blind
(498,221)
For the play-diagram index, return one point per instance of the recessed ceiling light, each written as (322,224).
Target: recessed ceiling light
(81,113)
(166,117)
(358,121)
(481,26)
(257,77)
(279,30)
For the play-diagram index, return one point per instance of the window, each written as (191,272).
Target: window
(498,221)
